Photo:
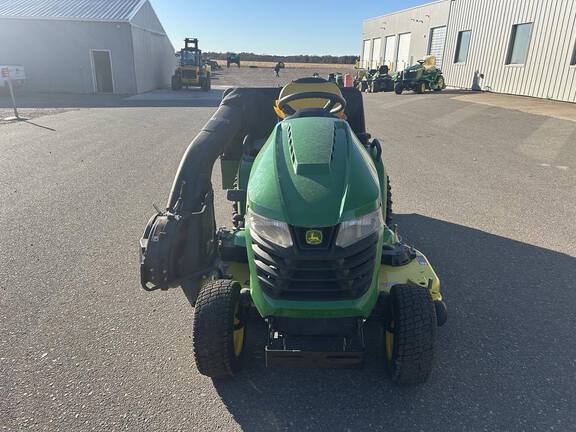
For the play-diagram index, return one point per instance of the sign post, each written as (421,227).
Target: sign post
(6,74)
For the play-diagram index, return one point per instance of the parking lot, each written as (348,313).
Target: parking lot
(483,184)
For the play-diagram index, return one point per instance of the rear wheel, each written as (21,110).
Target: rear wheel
(176,83)
(398,88)
(421,87)
(219,329)
(411,335)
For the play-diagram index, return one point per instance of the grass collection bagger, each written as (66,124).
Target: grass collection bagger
(311,250)
(375,80)
(420,77)
(192,70)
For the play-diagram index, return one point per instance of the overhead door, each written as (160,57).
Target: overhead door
(376,52)
(389,51)
(436,48)
(403,51)
(366,54)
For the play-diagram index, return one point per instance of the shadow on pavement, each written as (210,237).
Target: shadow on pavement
(505,359)
(159,98)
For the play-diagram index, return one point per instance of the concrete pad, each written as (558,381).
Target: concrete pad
(543,107)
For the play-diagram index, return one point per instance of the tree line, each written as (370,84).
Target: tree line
(326,59)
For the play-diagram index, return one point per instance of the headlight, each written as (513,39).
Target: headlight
(272,230)
(357,229)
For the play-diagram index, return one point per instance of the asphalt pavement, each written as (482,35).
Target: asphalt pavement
(487,192)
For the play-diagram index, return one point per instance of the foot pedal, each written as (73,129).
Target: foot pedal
(236,195)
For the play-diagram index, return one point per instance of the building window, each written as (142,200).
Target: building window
(519,42)
(573,62)
(462,46)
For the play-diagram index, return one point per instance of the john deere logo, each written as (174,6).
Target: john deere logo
(314,237)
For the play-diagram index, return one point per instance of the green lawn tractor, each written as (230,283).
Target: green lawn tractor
(376,80)
(420,77)
(192,71)
(232,58)
(311,250)
(214,65)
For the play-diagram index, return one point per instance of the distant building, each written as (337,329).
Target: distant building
(86,46)
(523,47)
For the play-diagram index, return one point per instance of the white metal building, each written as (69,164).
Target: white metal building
(523,47)
(86,46)
(401,38)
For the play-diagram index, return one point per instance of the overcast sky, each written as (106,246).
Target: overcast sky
(273,27)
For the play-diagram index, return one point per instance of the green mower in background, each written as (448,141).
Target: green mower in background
(420,77)
(311,250)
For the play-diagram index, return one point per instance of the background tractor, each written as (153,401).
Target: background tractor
(192,71)
(420,77)
(375,80)
(233,59)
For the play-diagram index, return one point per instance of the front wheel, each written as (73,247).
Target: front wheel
(440,84)
(421,87)
(219,333)
(398,88)
(411,336)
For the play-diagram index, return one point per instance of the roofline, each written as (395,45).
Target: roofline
(136,9)
(127,20)
(65,19)
(406,10)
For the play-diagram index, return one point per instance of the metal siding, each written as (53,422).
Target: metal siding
(547,72)
(98,10)
(417,20)
(66,65)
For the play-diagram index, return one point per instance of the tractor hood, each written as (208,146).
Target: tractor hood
(313,172)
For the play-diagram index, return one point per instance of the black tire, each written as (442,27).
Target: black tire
(440,84)
(217,307)
(420,87)
(205,85)
(176,83)
(398,88)
(414,334)
(388,202)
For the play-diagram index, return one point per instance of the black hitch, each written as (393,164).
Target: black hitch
(315,343)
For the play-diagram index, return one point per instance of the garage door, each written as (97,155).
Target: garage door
(376,52)
(437,39)
(389,51)
(366,54)
(403,51)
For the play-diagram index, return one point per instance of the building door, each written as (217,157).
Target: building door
(376,53)
(389,52)
(102,65)
(403,57)
(366,55)
(436,48)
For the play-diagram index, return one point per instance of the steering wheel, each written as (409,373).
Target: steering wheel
(335,104)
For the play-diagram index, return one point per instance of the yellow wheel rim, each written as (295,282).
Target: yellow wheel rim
(238,334)
(390,343)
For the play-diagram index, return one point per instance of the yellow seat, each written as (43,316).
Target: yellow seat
(429,62)
(307,85)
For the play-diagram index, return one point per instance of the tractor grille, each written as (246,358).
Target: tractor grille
(321,272)
(189,74)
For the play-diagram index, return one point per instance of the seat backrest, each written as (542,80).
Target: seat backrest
(308,85)
(429,62)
